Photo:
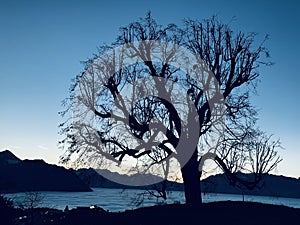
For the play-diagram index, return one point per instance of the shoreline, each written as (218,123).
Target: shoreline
(223,212)
(119,200)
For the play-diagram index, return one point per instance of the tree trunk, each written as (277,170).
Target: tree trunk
(191,178)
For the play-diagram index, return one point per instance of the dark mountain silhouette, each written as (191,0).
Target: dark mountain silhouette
(6,157)
(271,185)
(94,179)
(35,175)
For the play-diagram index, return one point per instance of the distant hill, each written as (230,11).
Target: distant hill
(94,179)
(18,175)
(6,158)
(35,175)
(271,185)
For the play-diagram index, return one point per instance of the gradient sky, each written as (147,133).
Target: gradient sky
(42,43)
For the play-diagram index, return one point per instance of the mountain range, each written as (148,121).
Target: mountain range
(270,185)
(18,175)
(36,175)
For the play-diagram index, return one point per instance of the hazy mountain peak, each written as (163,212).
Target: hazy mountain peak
(35,175)
(7,157)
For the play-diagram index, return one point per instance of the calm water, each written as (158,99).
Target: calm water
(120,200)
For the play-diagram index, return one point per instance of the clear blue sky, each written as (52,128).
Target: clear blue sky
(42,43)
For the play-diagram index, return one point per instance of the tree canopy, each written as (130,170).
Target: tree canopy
(165,97)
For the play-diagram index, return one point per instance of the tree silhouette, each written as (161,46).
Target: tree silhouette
(165,96)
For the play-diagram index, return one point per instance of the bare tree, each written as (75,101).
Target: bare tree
(144,98)
(31,200)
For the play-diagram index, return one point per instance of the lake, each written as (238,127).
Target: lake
(120,200)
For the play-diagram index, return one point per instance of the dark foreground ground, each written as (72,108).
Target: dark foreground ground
(242,213)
